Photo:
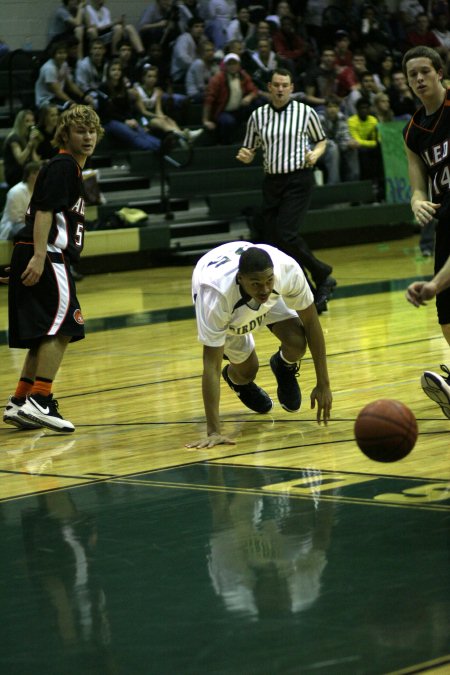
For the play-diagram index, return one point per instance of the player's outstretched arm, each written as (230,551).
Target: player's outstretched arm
(212,362)
(321,395)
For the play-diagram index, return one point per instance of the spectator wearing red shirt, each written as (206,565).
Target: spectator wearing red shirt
(348,77)
(344,56)
(422,35)
(229,99)
(288,44)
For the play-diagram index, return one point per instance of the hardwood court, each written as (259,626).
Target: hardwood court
(289,552)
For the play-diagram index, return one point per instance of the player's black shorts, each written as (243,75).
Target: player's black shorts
(442,252)
(48,308)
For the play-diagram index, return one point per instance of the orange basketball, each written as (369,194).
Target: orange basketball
(386,430)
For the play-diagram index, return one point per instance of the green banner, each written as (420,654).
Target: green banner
(395,163)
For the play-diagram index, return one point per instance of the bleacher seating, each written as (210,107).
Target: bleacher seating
(209,201)
(18,71)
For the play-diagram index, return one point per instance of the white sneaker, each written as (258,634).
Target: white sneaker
(43,410)
(437,388)
(194,134)
(11,416)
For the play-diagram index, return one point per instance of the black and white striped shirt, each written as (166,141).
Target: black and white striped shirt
(285,134)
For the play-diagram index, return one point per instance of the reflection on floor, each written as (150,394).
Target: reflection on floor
(210,568)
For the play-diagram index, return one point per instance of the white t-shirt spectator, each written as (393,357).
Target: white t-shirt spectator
(13,218)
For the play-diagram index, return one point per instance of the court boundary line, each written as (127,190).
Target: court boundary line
(86,480)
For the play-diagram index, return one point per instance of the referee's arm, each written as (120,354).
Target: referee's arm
(246,153)
(314,155)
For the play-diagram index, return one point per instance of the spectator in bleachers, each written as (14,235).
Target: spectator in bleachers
(175,104)
(20,147)
(320,82)
(401,97)
(90,70)
(188,9)
(345,15)
(314,20)
(349,77)
(229,100)
(200,73)
(363,128)
(17,200)
(367,89)
(421,35)
(375,34)
(290,46)
(409,10)
(440,28)
(128,58)
(186,50)
(435,7)
(159,23)
(47,123)
(156,57)
(342,51)
(234,47)
(150,104)
(72,47)
(55,84)
(260,63)
(240,27)
(220,13)
(262,30)
(382,107)
(100,24)
(118,111)
(383,71)
(68,20)
(282,9)
(258,9)
(340,159)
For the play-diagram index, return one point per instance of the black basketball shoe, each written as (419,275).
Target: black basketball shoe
(43,410)
(437,387)
(288,392)
(250,394)
(323,293)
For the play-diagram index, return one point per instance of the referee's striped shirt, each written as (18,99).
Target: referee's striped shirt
(285,134)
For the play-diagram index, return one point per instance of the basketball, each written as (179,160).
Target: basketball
(386,430)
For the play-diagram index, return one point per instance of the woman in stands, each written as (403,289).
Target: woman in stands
(47,123)
(382,107)
(20,147)
(383,73)
(150,104)
(118,108)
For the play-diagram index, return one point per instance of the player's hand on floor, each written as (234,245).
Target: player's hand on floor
(324,399)
(210,441)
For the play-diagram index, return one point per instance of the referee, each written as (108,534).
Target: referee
(287,129)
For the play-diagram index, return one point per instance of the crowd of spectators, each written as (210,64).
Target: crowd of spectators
(344,56)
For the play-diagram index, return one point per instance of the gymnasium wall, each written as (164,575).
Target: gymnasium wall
(26,21)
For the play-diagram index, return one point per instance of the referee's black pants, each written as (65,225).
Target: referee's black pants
(286,198)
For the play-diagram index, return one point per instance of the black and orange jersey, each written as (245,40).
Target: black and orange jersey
(59,188)
(428,136)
